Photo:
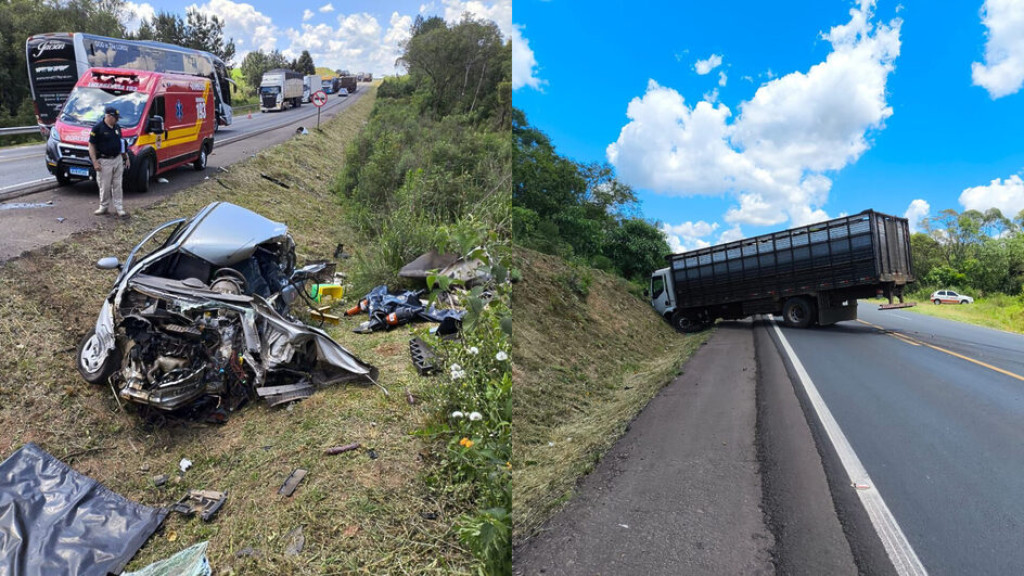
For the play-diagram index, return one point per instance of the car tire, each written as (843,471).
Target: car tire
(797,312)
(142,174)
(200,163)
(963,301)
(87,360)
(936,301)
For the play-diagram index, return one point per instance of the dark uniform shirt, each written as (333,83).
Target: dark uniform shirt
(107,140)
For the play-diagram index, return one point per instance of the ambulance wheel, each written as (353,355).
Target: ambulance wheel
(143,174)
(200,163)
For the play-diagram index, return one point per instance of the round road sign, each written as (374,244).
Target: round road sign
(319,98)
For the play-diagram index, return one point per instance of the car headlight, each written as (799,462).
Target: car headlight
(55,134)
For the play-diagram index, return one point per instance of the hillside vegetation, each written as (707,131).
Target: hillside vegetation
(589,356)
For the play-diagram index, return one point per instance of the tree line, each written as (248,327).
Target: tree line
(971,250)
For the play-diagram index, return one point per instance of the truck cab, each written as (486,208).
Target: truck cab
(661,293)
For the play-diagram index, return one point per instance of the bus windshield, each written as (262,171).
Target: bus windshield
(85,106)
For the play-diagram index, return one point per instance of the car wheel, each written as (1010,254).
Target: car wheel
(94,367)
(797,313)
(936,301)
(142,175)
(963,301)
(200,163)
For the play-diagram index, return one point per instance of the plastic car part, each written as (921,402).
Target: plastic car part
(206,503)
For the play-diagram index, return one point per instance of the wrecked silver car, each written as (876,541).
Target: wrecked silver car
(206,314)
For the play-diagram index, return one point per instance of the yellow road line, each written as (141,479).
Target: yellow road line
(915,342)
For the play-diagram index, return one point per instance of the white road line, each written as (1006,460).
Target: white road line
(902,555)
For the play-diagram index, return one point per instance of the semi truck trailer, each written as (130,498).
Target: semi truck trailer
(810,274)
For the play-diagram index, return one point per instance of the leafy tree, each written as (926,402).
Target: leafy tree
(305,64)
(196,30)
(636,248)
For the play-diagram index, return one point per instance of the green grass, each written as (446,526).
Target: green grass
(586,364)
(1000,311)
(360,515)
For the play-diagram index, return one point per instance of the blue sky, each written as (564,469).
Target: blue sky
(735,118)
(356,35)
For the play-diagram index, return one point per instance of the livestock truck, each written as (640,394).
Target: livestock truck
(280,88)
(809,275)
(349,83)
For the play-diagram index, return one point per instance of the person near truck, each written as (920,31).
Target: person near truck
(109,159)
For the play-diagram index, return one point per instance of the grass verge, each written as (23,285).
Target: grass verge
(360,514)
(589,356)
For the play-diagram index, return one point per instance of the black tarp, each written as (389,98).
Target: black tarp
(54,520)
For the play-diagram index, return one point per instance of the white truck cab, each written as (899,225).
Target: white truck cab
(661,292)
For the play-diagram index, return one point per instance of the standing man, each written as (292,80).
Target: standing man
(109,159)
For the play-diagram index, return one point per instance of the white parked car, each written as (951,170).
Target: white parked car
(949,297)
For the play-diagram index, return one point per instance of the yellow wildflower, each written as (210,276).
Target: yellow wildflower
(466,442)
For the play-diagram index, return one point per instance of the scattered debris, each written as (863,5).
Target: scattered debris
(20,205)
(350,531)
(191,561)
(277,395)
(340,449)
(274,180)
(185,464)
(160,480)
(427,262)
(409,397)
(301,130)
(387,310)
(372,453)
(339,252)
(61,220)
(206,503)
(163,180)
(429,515)
(296,541)
(288,488)
(247,552)
(84,528)
(423,357)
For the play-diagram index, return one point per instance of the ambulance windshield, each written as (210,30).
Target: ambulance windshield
(85,106)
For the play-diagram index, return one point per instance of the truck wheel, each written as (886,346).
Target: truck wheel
(797,313)
(200,163)
(686,323)
(90,366)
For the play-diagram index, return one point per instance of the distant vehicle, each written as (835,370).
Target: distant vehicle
(949,297)
(330,84)
(57,60)
(350,84)
(280,88)
(342,92)
(166,121)
(811,274)
(310,84)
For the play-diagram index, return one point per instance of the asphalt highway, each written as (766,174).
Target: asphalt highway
(934,410)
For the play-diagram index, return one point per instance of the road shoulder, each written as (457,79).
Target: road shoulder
(681,492)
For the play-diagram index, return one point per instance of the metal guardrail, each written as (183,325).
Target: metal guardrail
(19,130)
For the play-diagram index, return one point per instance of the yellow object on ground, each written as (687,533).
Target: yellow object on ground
(318,291)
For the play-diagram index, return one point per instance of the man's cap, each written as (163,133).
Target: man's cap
(111,110)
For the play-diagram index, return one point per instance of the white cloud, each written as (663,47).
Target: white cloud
(327,8)
(722,79)
(307,14)
(688,235)
(250,28)
(916,212)
(1007,195)
(133,14)
(524,63)
(706,66)
(1003,71)
(732,234)
(774,156)
(358,43)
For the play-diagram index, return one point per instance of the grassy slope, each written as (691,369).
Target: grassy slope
(585,366)
(360,515)
(1001,312)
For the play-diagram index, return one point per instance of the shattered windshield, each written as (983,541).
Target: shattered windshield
(85,106)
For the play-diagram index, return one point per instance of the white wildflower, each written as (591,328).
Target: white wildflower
(474,350)
(501,356)
(457,415)
(474,416)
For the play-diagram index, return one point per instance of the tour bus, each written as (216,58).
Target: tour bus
(166,121)
(57,60)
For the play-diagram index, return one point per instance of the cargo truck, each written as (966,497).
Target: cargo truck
(809,275)
(310,85)
(349,83)
(280,88)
